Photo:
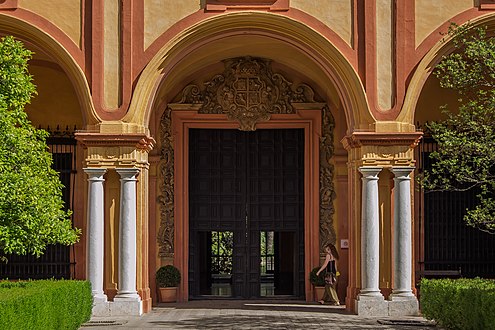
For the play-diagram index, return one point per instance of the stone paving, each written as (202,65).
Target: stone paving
(259,314)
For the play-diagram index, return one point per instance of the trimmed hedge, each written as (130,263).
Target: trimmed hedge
(45,304)
(459,304)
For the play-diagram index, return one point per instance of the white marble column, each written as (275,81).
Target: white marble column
(370,301)
(95,247)
(127,296)
(403,244)
(370,231)
(127,234)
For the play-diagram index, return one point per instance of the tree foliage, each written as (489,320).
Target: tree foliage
(466,139)
(32,213)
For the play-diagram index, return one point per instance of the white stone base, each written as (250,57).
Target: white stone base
(379,307)
(371,307)
(403,306)
(118,308)
(101,308)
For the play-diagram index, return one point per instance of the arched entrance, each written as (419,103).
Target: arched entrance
(196,56)
(196,212)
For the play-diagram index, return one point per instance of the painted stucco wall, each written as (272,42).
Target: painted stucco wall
(160,15)
(56,102)
(431,99)
(336,14)
(431,14)
(66,15)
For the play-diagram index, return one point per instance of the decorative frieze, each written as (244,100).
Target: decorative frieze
(165,235)
(327,189)
(116,150)
(382,149)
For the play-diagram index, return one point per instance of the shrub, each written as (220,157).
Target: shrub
(167,276)
(45,304)
(317,280)
(459,304)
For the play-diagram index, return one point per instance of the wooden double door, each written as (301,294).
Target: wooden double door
(246,213)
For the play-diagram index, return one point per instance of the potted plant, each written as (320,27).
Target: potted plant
(318,282)
(167,280)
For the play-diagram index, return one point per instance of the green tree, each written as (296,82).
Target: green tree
(466,139)
(32,213)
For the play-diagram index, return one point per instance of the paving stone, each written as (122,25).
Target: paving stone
(260,314)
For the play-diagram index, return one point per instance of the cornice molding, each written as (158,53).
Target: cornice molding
(360,139)
(223,5)
(141,142)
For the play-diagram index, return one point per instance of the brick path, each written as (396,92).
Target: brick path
(260,314)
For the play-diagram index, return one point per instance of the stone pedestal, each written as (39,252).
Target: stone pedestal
(371,306)
(403,306)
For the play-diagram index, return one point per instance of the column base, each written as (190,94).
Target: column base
(403,306)
(118,308)
(371,305)
(126,307)
(101,308)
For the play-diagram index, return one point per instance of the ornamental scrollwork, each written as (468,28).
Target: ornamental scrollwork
(247,92)
(327,189)
(165,236)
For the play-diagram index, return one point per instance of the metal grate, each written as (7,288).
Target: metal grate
(449,244)
(56,261)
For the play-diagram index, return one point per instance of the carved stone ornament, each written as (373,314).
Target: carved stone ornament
(327,189)
(248,92)
(166,199)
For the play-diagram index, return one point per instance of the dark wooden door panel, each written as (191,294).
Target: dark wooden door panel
(247,182)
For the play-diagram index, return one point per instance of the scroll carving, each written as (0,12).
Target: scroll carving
(166,199)
(327,189)
(247,92)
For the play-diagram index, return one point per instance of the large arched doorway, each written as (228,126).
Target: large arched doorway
(197,57)
(246,174)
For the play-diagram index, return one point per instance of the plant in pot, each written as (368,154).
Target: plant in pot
(318,282)
(167,280)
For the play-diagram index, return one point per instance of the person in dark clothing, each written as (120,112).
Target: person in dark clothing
(330,269)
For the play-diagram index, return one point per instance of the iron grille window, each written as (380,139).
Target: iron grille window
(56,261)
(449,244)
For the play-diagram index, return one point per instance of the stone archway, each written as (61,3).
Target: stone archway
(247,96)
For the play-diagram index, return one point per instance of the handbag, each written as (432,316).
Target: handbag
(330,278)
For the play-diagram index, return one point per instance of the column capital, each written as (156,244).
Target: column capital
(370,171)
(95,172)
(402,172)
(128,173)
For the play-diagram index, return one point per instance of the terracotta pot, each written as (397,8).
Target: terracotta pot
(319,291)
(168,294)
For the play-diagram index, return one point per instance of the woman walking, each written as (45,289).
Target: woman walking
(330,275)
